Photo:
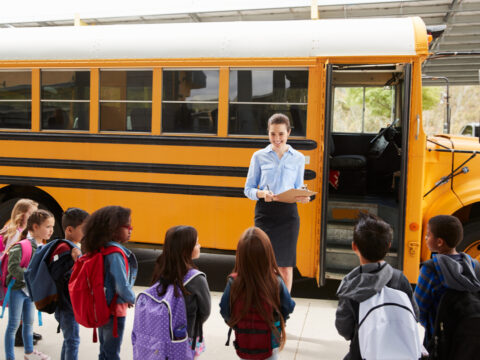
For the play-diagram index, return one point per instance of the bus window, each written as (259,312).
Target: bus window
(65,98)
(190,101)
(255,95)
(363,109)
(126,100)
(15,99)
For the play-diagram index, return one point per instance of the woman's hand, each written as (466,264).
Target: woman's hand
(267,195)
(303,199)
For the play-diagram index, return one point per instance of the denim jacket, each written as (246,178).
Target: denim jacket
(116,279)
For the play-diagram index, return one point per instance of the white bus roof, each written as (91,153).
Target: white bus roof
(264,39)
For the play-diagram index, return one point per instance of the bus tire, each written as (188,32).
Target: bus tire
(471,239)
(6,208)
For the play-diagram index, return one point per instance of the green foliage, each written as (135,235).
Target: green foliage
(431,97)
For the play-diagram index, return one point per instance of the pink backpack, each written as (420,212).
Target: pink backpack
(5,288)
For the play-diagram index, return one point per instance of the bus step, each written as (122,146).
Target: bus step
(339,234)
(347,212)
(342,259)
(334,275)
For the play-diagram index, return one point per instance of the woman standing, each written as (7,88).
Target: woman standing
(273,170)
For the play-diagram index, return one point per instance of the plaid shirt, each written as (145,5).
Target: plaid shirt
(428,292)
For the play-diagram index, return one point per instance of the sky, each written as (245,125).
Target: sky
(44,10)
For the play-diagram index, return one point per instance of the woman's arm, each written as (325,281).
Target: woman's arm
(253,179)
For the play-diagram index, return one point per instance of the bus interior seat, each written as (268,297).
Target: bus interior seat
(141,119)
(352,172)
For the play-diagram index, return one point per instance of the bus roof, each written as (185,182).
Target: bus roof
(262,39)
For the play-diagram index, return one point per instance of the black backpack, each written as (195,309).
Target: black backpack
(457,327)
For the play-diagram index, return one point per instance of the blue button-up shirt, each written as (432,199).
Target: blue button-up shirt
(268,172)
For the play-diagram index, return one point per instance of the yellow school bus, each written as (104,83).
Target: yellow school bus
(164,119)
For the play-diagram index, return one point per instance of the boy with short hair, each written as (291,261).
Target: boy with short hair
(372,238)
(60,268)
(447,269)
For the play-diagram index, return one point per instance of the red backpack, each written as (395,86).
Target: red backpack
(253,336)
(5,288)
(86,288)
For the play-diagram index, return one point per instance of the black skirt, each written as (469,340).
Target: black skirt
(281,223)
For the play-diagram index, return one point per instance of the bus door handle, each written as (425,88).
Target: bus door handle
(412,247)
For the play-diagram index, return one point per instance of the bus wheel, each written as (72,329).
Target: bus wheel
(471,240)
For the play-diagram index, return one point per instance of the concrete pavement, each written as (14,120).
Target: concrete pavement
(310,330)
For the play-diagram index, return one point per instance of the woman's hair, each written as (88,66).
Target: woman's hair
(278,119)
(256,281)
(37,218)
(104,226)
(17,218)
(176,259)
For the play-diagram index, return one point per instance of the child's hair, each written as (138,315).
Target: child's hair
(256,282)
(17,217)
(176,259)
(372,236)
(447,227)
(279,119)
(37,218)
(104,226)
(73,217)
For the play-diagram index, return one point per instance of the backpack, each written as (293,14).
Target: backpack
(86,288)
(5,288)
(253,336)
(456,333)
(160,324)
(41,282)
(387,327)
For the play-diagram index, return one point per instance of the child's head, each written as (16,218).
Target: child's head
(372,237)
(180,247)
(444,233)
(21,211)
(110,223)
(254,244)
(40,225)
(73,220)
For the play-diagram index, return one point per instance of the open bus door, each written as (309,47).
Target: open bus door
(365,170)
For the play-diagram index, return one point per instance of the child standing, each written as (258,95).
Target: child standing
(10,233)
(111,226)
(256,284)
(181,247)
(446,269)
(372,238)
(39,229)
(73,221)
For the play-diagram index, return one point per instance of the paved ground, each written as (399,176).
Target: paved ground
(311,334)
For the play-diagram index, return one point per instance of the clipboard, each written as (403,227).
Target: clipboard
(290,196)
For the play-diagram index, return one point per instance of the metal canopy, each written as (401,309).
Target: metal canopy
(461,17)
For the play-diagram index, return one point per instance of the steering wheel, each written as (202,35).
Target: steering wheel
(383,131)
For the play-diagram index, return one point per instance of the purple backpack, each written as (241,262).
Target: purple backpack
(160,324)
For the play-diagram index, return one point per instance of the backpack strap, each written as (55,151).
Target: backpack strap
(26,252)
(7,297)
(107,251)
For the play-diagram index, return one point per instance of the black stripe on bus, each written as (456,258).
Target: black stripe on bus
(125,186)
(133,167)
(152,140)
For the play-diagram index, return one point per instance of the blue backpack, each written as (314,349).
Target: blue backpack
(42,286)
(160,324)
